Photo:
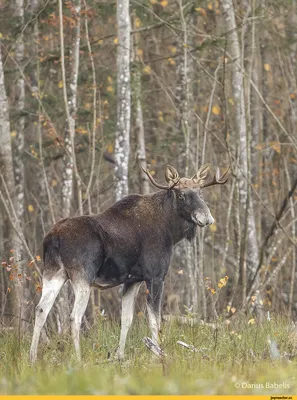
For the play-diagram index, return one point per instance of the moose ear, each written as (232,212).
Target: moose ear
(201,174)
(171,174)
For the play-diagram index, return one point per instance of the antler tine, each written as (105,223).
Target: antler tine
(154,182)
(217,178)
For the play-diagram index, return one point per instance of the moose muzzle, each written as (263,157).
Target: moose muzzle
(202,219)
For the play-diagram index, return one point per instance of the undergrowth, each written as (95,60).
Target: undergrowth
(239,358)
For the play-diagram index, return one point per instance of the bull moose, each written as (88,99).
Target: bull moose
(129,243)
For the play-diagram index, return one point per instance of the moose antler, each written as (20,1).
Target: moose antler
(217,179)
(168,187)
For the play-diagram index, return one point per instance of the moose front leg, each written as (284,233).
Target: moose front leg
(130,291)
(154,299)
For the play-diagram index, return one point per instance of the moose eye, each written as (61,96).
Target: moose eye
(181,195)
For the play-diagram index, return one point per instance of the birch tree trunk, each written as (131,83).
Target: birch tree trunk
(6,171)
(71,109)
(69,157)
(239,127)
(140,137)
(184,95)
(18,149)
(122,141)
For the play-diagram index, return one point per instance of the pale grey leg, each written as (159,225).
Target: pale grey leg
(128,304)
(50,290)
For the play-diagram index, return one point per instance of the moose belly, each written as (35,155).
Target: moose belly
(113,273)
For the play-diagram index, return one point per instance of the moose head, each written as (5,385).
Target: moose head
(188,195)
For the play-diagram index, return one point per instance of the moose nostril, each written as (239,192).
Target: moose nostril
(211,220)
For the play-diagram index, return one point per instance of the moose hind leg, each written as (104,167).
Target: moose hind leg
(154,299)
(128,304)
(82,290)
(50,290)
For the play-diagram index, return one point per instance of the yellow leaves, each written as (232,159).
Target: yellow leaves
(216,110)
(137,22)
(1,35)
(251,321)
(292,96)
(109,148)
(60,84)
(81,130)
(88,106)
(153,1)
(110,89)
(223,282)
(180,272)
(139,53)
(231,101)
(109,79)
(275,146)
(160,116)
(100,41)
(164,3)
(267,67)
(213,228)
(173,49)
(38,258)
(13,134)
(54,182)
(30,208)
(116,40)
(147,70)
(201,10)
(171,61)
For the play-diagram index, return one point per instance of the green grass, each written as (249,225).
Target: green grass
(235,354)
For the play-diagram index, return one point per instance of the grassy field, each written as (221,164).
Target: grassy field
(230,359)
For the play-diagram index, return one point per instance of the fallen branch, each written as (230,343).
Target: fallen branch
(188,346)
(153,347)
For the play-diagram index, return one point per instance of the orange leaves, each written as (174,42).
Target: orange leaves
(276,146)
(222,282)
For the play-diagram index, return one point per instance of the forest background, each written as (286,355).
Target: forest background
(197,81)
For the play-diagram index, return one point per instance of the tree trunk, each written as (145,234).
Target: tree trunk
(69,156)
(6,170)
(239,127)
(122,141)
(140,137)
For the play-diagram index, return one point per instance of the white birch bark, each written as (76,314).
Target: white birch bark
(20,120)
(6,170)
(122,141)
(139,127)
(69,158)
(240,128)
(71,109)
(184,95)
